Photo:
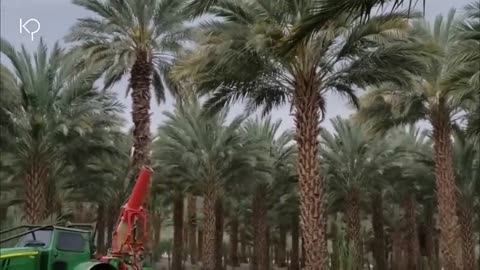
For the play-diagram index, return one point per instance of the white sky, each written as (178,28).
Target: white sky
(57,16)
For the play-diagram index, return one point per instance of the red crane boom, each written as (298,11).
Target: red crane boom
(125,245)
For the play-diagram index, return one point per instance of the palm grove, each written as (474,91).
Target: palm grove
(374,190)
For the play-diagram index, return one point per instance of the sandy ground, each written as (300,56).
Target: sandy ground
(163,265)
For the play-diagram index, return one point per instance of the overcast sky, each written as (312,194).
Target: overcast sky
(57,16)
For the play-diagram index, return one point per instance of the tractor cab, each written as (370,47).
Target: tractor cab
(46,248)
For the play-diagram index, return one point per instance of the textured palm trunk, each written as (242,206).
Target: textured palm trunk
(234,243)
(260,234)
(430,235)
(192,227)
(313,213)
(450,250)
(294,256)
(411,234)
(177,254)
(111,219)
(465,217)
(352,215)
(379,248)
(140,80)
(209,229)
(101,229)
(219,222)
(303,257)
(397,251)
(35,197)
(282,248)
(53,205)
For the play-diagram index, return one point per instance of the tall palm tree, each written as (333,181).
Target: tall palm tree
(173,186)
(105,173)
(437,98)
(55,112)
(278,148)
(467,171)
(245,63)
(136,37)
(354,163)
(206,150)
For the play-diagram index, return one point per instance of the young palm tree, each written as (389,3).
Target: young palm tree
(438,99)
(54,113)
(278,151)
(245,63)
(105,173)
(354,163)
(208,152)
(467,171)
(135,37)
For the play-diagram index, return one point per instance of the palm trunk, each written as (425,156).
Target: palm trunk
(379,248)
(352,214)
(397,251)
(192,227)
(52,203)
(467,231)
(35,197)
(101,229)
(282,248)
(430,235)
(140,81)
(111,218)
(260,223)
(200,243)
(157,229)
(303,257)
(446,192)
(177,254)
(234,243)
(243,247)
(209,229)
(335,257)
(411,239)
(294,256)
(219,234)
(313,212)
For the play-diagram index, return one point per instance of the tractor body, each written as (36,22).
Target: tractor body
(51,248)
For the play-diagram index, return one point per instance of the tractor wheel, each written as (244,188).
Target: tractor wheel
(103,266)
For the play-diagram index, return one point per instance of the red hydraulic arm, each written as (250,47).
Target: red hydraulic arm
(125,245)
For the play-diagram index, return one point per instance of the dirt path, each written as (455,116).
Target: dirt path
(163,265)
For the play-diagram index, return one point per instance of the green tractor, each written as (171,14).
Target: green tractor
(50,248)
(71,247)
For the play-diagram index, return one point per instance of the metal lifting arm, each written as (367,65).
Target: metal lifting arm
(125,245)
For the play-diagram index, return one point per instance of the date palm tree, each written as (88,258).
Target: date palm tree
(437,98)
(278,149)
(209,152)
(354,162)
(135,37)
(467,171)
(54,112)
(245,63)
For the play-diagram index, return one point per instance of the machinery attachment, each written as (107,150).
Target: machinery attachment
(126,248)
